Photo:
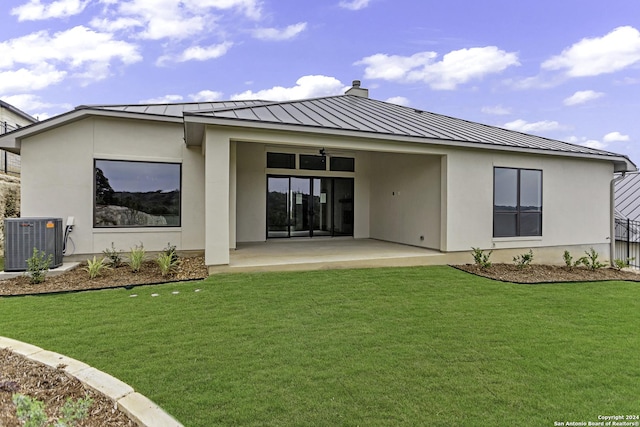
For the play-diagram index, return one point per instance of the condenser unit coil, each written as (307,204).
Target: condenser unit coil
(22,235)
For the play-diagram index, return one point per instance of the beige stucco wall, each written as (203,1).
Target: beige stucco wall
(575,205)
(57,180)
(405,199)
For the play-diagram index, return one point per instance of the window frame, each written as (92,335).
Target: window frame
(142,226)
(519,211)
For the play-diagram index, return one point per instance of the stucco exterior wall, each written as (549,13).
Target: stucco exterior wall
(575,200)
(57,180)
(405,199)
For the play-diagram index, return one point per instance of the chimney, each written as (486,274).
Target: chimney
(356,90)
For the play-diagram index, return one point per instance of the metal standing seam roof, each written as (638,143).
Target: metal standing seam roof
(627,197)
(359,114)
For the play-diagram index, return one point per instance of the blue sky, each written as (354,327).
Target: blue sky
(563,69)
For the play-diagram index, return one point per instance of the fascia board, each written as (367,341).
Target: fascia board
(621,163)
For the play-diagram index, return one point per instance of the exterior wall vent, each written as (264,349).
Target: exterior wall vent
(24,234)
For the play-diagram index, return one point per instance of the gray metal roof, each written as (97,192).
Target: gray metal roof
(354,113)
(627,197)
(172,110)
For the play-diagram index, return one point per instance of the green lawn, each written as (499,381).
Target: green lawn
(377,347)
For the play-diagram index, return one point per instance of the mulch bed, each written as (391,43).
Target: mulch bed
(539,273)
(53,387)
(190,268)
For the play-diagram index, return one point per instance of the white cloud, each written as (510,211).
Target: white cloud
(160,19)
(497,110)
(206,95)
(25,80)
(399,100)
(354,4)
(197,53)
(455,68)
(593,56)
(34,10)
(74,47)
(582,96)
(32,104)
(250,8)
(275,34)
(585,142)
(166,99)
(592,143)
(535,127)
(615,137)
(306,87)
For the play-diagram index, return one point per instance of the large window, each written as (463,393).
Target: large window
(136,194)
(517,202)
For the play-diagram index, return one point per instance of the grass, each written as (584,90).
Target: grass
(378,347)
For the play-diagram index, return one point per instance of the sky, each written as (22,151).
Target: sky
(562,69)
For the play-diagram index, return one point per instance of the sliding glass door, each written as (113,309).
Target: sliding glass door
(309,207)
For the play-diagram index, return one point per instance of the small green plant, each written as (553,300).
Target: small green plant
(32,411)
(481,258)
(136,257)
(73,411)
(113,255)
(167,263)
(29,410)
(38,265)
(591,260)
(171,250)
(569,262)
(95,267)
(523,260)
(619,264)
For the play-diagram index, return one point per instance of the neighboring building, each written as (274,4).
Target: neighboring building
(627,218)
(207,176)
(11,119)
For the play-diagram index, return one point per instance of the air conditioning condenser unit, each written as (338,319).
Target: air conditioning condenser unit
(21,235)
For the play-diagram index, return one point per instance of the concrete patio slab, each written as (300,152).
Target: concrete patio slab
(328,253)
(66,266)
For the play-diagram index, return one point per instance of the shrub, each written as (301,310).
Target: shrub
(32,411)
(619,264)
(74,411)
(167,262)
(480,258)
(95,266)
(38,265)
(113,255)
(136,257)
(591,260)
(29,410)
(523,260)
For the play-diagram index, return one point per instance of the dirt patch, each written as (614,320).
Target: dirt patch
(190,268)
(538,273)
(53,387)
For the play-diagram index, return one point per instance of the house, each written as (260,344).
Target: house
(11,119)
(209,176)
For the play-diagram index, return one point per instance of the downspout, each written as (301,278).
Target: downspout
(612,204)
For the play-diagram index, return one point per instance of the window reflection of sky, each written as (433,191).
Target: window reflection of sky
(127,176)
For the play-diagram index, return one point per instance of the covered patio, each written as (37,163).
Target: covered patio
(330,253)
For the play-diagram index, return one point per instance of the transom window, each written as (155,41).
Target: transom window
(136,194)
(517,202)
